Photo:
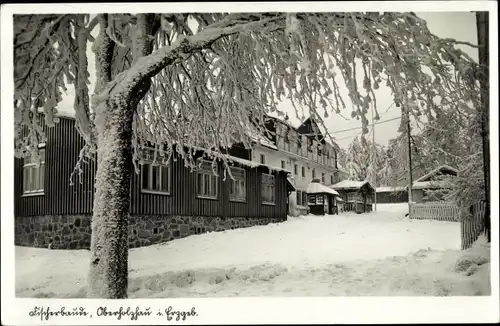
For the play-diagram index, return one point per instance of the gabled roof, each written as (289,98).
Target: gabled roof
(309,128)
(318,188)
(435,171)
(351,184)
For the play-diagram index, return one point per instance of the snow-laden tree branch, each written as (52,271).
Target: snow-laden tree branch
(396,48)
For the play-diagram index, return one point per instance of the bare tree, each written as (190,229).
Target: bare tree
(199,80)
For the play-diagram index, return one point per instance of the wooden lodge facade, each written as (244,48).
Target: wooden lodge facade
(168,200)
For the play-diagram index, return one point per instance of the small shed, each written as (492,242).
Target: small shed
(421,188)
(321,199)
(358,195)
(392,195)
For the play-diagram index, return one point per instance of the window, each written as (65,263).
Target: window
(296,169)
(304,146)
(262,159)
(268,189)
(293,144)
(237,187)
(282,164)
(33,175)
(155,172)
(301,198)
(314,173)
(303,171)
(332,179)
(206,181)
(322,178)
(279,137)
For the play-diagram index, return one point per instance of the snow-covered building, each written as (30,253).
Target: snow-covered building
(357,195)
(168,200)
(303,150)
(429,187)
(424,188)
(322,199)
(392,195)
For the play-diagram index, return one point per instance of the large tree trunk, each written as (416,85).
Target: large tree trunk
(109,247)
(482,20)
(108,272)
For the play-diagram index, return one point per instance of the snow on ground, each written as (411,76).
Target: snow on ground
(399,209)
(380,253)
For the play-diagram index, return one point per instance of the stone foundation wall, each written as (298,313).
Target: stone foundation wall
(73,232)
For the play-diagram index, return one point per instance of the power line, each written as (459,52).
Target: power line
(356,135)
(355,128)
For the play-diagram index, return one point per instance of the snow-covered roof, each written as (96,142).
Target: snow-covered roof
(429,185)
(339,199)
(252,164)
(66,112)
(238,160)
(262,140)
(258,137)
(390,189)
(435,171)
(318,188)
(350,184)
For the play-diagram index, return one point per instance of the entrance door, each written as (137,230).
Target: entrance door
(331,203)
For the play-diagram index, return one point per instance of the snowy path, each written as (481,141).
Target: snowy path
(379,253)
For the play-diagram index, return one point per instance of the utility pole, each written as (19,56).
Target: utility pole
(374,160)
(410,177)
(482,20)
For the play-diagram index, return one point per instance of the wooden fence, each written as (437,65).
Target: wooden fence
(441,211)
(472,226)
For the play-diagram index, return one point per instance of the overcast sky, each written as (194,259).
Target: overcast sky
(457,25)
